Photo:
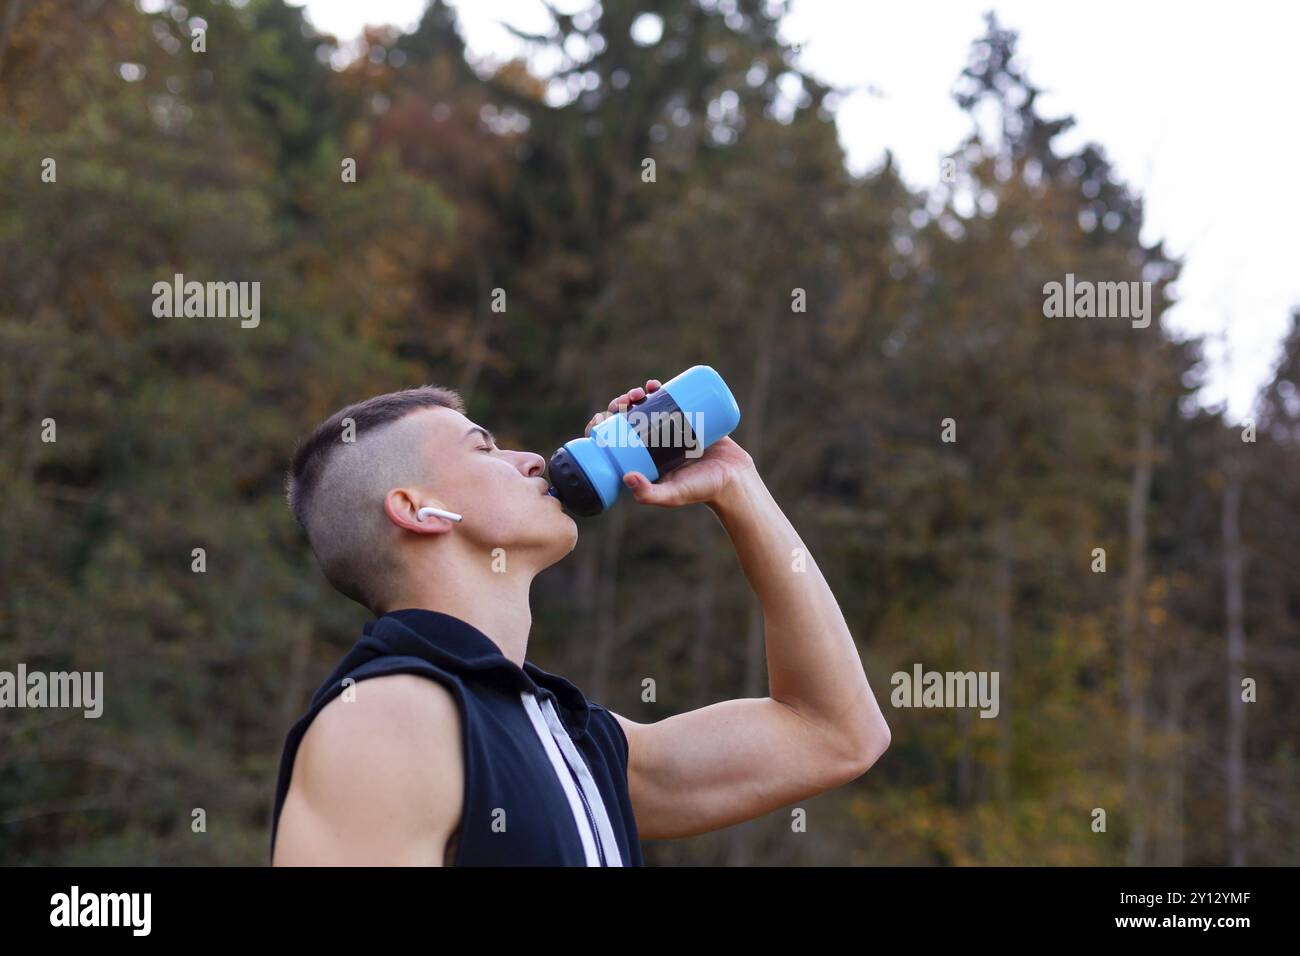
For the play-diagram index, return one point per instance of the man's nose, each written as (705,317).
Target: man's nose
(531,464)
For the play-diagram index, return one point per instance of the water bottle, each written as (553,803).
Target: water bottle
(667,429)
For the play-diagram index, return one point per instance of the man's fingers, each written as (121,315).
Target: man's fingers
(644,490)
(623,402)
(641,489)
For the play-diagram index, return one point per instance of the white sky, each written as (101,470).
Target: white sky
(1189,100)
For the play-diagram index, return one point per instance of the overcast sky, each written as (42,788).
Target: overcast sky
(1195,104)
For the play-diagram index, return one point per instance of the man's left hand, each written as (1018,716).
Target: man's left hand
(706,479)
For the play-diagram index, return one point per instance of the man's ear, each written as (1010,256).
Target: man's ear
(401,506)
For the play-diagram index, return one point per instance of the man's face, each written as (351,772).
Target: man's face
(501,493)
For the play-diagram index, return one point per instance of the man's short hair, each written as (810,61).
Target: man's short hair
(338,478)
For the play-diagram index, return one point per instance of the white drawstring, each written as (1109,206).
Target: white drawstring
(563,756)
(594,800)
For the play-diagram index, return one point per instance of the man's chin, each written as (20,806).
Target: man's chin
(571,536)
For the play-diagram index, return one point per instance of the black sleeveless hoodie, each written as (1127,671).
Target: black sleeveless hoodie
(545,769)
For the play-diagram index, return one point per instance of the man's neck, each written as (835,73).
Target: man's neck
(494,602)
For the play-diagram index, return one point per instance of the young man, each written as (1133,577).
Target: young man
(435,742)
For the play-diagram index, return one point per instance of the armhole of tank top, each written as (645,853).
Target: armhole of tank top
(457,692)
(453,686)
(455,857)
(622,734)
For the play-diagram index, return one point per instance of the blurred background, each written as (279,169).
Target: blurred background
(523,169)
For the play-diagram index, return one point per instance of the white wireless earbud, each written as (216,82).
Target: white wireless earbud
(425,512)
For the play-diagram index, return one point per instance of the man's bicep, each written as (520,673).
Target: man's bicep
(723,764)
(377,780)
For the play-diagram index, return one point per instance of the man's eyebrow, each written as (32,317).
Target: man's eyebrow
(484,432)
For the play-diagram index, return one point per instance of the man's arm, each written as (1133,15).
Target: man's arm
(377,781)
(820,726)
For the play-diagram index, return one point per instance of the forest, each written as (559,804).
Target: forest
(985,486)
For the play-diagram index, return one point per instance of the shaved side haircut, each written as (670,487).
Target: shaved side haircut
(340,474)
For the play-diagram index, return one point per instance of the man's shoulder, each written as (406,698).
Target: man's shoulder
(395,728)
(386,752)
(401,708)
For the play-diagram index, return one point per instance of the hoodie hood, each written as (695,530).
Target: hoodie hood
(459,647)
